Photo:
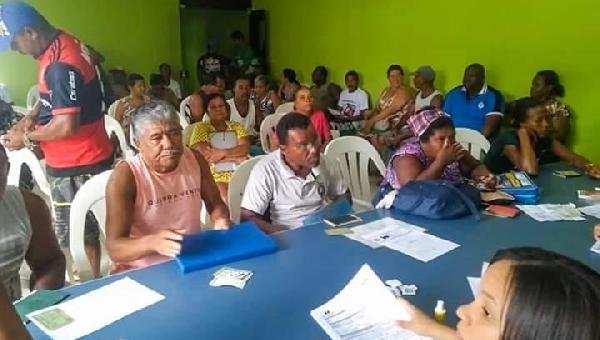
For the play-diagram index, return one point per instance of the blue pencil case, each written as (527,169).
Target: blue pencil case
(520,186)
(215,247)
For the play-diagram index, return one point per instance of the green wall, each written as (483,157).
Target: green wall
(198,26)
(513,40)
(134,34)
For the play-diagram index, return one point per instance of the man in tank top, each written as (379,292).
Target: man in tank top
(156,197)
(424,77)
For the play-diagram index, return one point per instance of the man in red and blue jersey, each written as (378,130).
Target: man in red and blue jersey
(68,122)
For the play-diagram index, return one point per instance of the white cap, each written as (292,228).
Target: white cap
(440,305)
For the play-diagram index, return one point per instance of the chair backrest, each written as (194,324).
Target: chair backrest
(353,154)
(473,141)
(267,127)
(90,197)
(112,126)
(285,108)
(237,184)
(33,96)
(26,156)
(20,110)
(187,133)
(184,111)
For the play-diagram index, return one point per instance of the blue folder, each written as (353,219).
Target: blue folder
(214,247)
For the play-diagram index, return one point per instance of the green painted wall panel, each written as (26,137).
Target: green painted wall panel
(513,39)
(135,34)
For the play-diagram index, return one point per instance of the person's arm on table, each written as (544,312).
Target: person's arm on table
(477,171)
(120,205)
(575,160)
(44,257)
(219,213)
(256,200)
(409,168)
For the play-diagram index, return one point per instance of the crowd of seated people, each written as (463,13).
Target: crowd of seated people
(154,198)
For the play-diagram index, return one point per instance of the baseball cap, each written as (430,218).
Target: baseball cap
(426,72)
(14,17)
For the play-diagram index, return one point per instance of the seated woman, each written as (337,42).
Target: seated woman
(434,154)
(526,293)
(395,105)
(222,142)
(156,197)
(520,148)
(545,89)
(289,85)
(265,98)
(303,104)
(122,109)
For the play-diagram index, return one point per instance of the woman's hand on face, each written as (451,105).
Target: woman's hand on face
(448,153)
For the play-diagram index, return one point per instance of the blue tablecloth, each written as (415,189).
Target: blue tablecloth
(312,267)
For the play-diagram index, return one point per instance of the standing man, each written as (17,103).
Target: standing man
(244,59)
(211,62)
(67,122)
(166,73)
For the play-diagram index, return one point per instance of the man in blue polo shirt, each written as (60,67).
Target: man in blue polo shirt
(475,105)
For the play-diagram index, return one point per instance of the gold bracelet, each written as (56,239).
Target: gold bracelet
(27,142)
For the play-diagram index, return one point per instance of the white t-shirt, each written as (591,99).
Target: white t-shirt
(175,87)
(4,94)
(290,199)
(248,121)
(421,102)
(352,103)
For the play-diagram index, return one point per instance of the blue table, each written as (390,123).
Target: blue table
(312,267)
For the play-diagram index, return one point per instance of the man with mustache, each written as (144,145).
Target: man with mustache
(155,198)
(292,182)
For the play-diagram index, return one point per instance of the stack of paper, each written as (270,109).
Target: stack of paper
(88,313)
(403,237)
(552,212)
(364,309)
(227,276)
(592,210)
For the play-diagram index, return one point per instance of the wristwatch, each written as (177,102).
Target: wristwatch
(27,142)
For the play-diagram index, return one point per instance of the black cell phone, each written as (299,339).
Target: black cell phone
(342,220)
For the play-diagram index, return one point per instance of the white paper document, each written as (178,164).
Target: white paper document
(403,237)
(552,212)
(95,310)
(364,309)
(369,233)
(596,247)
(592,210)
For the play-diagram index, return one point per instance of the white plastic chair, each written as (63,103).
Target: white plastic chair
(90,197)
(33,96)
(473,141)
(285,108)
(20,110)
(237,185)
(112,125)
(26,156)
(353,154)
(267,127)
(184,111)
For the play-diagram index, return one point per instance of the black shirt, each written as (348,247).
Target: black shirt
(498,163)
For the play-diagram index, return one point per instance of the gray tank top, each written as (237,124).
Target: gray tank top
(15,235)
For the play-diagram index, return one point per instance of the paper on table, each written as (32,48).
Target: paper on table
(475,282)
(364,309)
(592,210)
(420,245)
(100,308)
(367,233)
(596,247)
(552,212)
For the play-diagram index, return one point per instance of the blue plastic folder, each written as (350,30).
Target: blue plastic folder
(214,247)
